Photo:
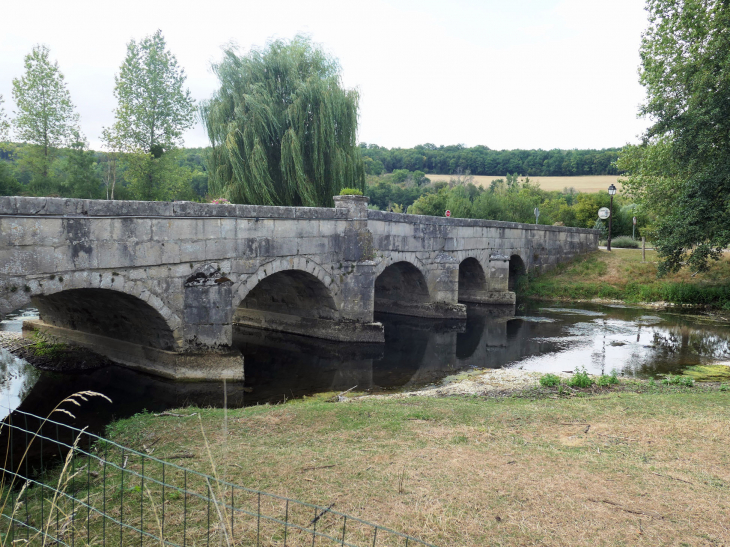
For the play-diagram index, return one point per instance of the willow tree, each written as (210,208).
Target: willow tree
(282,128)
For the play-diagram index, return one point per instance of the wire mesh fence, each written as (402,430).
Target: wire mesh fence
(60,485)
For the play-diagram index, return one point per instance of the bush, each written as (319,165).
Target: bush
(350,192)
(549,380)
(624,242)
(580,378)
(612,379)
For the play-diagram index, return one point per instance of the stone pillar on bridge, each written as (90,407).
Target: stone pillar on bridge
(498,281)
(443,288)
(358,268)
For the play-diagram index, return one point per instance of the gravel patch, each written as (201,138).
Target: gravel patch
(501,381)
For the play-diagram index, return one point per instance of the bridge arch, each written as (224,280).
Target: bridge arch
(291,292)
(472,278)
(25,292)
(398,284)
(516,270)
(109,313)
(304,265)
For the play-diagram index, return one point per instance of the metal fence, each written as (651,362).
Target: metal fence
(60,485)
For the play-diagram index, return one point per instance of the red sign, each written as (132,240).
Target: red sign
(448,213)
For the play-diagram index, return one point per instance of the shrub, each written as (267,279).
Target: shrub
(624,242)
(580,378)
(350,192)
(611,379)
(220,201)
(549,380)
(724,387)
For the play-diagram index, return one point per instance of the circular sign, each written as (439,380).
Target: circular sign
(604,213)
(448,213)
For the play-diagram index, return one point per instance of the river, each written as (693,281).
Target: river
(417,353)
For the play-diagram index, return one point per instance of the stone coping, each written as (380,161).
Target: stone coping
(474,222)
(30,206)
(67,207)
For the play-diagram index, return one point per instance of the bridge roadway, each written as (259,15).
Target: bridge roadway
(158,286)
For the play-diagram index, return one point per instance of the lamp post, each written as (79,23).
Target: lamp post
(611,192)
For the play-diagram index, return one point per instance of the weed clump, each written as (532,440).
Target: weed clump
(580,378)
(549,380)
(685,381)
(608,380)
(45,347)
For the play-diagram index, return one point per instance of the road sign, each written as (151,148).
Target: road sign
(634,220)
(604,213)
(537,214)
(448,213)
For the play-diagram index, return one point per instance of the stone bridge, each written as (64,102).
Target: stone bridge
(158,286)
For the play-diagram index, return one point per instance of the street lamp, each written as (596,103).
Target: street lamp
(611,192)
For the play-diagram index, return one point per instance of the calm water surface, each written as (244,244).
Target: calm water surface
(417,353)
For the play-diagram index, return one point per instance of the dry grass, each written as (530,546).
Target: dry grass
(587,184)
(652,469)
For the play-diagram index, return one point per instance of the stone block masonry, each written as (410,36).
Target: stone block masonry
(160,286)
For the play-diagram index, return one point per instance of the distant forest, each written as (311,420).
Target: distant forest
(378,160)
(481,160)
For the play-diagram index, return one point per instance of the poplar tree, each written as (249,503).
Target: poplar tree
(45,117)
(282,128)
(4,123)
(8,184)
(154,108)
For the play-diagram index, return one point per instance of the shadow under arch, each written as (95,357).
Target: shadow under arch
(472,280)
(292,292)
(397,286)
(298,302)
(108,313)
(516,270)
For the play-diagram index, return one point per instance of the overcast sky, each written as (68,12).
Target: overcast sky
(505,74)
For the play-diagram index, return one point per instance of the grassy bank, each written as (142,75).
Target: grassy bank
(621,275)
(622,468)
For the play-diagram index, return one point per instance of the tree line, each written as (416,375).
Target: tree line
(282,130)
(511,199)
(481,160)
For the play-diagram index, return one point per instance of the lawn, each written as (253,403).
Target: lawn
(623,468)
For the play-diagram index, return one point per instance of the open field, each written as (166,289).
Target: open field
(621,468)
(581,184)
(621,275)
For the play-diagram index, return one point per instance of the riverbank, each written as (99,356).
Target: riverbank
(638,468)
(50,355)
(621,276)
